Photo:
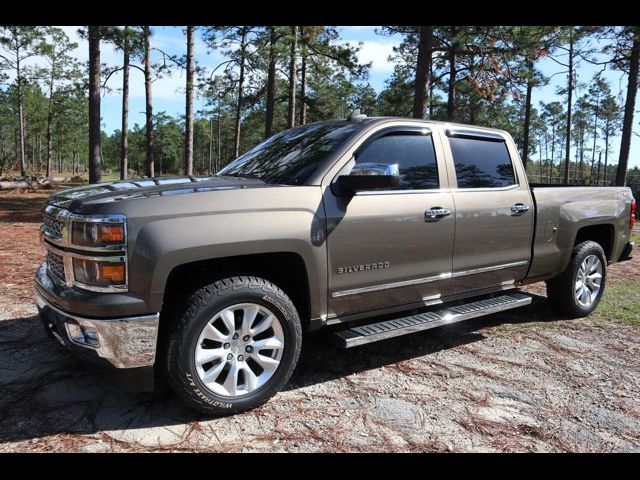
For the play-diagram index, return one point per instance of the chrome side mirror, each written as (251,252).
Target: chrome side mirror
(367,176)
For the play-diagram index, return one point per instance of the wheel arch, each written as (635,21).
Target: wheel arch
(287,270)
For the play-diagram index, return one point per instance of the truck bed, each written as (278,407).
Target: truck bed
(562,212)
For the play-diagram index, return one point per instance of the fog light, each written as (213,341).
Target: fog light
(83,335)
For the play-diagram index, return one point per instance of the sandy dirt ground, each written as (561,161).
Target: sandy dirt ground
(525,380)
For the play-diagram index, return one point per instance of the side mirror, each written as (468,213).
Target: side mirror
(367,176)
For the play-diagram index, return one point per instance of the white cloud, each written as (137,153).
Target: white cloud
(377,52)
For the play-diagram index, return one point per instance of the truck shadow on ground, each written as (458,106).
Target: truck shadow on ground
(45,391)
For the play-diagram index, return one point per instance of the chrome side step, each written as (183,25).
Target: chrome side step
(396,327)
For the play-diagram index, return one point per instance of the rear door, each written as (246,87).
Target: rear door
(384,249)
(494,210)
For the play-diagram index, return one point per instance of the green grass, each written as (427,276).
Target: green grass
(635,237)
(621,301)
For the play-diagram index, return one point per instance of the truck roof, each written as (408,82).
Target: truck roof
(371,120)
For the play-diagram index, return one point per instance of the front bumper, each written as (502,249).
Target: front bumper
(125,347)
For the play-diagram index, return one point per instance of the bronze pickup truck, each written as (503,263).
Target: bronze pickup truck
(371,227)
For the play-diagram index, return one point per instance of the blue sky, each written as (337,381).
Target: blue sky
(168,92)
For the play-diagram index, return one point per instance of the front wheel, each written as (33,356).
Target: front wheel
(578,290)
(235,345)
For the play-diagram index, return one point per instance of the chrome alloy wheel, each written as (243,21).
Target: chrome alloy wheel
(588,281)
(239,350)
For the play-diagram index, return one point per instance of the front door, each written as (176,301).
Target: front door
(393,247)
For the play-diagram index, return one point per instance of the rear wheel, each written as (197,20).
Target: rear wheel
(235,345)
(578,290)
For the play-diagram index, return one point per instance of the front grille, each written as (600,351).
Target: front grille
(56,265)
(53,225)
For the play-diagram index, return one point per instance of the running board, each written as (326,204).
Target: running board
(396,327)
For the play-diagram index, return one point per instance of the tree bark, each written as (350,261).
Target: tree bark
(569,99)
(148,101)
(243,52)
(431,88)
(527,116)
(188,141)
(606,152)
(595,136)
(271,84)
(219,137)
(629,107)
(50,128)
(23,165)
(553,151)
(451,94)
(124,140)
(303,82)
(303,91)
(95,173)
(211,145)
(423,71)
(581,169)
(291,117)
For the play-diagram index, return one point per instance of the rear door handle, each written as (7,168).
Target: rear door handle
(519,209)
(436,213)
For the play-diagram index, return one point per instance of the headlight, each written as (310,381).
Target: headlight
(98,234)
(97,273)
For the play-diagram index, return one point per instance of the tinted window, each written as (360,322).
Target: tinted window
(481,163)
(412,155)
(293,155)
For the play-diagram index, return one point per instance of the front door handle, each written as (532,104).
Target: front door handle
(436,213)
(519,209)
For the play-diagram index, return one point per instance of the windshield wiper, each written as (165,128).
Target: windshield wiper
(240,175)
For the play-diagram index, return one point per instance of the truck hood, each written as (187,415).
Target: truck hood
(75,198)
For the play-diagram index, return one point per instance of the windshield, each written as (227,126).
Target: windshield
(292,156)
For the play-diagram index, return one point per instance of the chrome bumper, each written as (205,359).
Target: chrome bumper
(122,342)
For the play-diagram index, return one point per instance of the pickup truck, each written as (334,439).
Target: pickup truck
(370,227)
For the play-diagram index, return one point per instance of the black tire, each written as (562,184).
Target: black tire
(561,290)
(200,308)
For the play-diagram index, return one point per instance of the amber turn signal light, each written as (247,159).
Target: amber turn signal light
(111,233)
(114,273)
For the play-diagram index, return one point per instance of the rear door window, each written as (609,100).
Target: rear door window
(481,163)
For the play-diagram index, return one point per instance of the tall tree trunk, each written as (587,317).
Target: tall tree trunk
(95,173)
(553,151)
(581,169)
(219,138)
(599,164)
(210,145)
(303,80)
(291,116)
(423,70)
(451,94)
(629,107)
(271,84)
(39,153)
(527,115)
(431,88)
(50,129)
(569,99)
(243,53)
(148,102)
(188,141)
(303,91)
(606,152)
(23,163)
(124,140)
(595,135)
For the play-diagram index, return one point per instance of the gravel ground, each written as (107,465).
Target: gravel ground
(525,380)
